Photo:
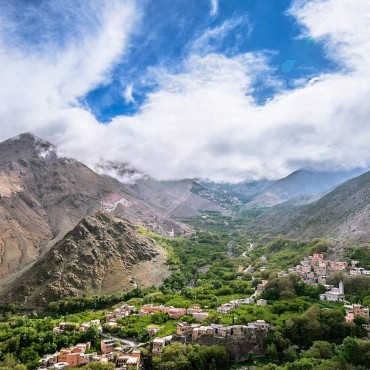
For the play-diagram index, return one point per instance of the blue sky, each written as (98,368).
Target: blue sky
(168,28)
(229,90)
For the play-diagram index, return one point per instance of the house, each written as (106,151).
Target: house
(200,316)
(110,325)
(95,322)
(152,330)
(158,345)
(262,324)
(338,266)
(65,326)
(226,308)
(239,269)
(244,301)
(129,361)
(334,294)
(49,360)
(197,312)
(356,310)
(261,302)
(184,328)
(197,332)
(261,287)
(173,312)
(322,279)
(120,312)
(75,356)
(317,258)
(221,331)
(107,346)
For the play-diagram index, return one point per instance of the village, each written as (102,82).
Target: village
(249,338)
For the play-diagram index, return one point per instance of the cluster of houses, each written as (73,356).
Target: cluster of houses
(119,313)
(234,304)
(174,312)
(111,201)
(315,269)
(70,326)
(80,355)
(358,270)
(195,331)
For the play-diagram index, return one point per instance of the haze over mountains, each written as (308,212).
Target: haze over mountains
(48,208)
(302,185)
(342,215)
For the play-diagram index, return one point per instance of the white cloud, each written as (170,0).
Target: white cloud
(128,94)
(214,7)
(212,38)
(42,79)
(203,122)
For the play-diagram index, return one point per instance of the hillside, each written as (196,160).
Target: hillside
(176,199)
(342,215)
(299,184)
(103,254)
(43,196)
(233,194)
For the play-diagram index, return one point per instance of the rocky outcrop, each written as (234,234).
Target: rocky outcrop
(103,254)
(240,348)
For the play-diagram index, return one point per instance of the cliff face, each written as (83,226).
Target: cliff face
(103,254)
(239,348)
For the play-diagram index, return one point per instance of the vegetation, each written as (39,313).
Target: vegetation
(307,334)
(187,357)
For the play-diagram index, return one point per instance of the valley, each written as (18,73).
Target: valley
(152,274)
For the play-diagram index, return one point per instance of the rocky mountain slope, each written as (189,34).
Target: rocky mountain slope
(43,196)
(234,194)
(300,184)
(342,215)
(176,199)
(103,254)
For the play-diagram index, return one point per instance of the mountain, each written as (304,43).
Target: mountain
(342,215)
(227,194)
(177,199)
(43,196)
(103,254)
(301,184)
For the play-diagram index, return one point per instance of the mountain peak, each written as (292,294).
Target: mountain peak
(27,145)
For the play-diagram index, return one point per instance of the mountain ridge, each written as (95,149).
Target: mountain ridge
(103,254)
(342,215)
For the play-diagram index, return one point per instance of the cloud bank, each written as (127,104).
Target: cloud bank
(202,120)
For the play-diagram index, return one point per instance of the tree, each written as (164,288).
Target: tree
(320,349)
(272,353)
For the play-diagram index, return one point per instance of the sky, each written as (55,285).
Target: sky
(229,90)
